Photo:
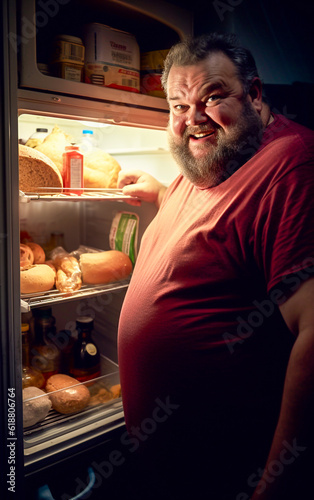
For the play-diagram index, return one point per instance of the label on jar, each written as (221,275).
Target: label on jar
(91,349)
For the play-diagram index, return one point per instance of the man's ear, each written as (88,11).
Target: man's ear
(255,93)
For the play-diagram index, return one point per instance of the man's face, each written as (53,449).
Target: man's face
(211,122)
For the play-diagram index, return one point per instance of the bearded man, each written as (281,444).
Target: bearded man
(216,335)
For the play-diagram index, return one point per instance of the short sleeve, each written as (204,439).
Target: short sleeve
(283,232)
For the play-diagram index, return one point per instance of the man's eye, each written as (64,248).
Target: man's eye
(179,107)
(213,98)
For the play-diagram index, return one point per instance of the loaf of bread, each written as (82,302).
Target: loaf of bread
(101,170)
(70,395)
(54,145)
(35,410)
(105,267)
(37,172)
(38,278)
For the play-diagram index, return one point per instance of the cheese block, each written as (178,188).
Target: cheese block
(37,171)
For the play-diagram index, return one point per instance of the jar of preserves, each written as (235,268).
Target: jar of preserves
(85,353)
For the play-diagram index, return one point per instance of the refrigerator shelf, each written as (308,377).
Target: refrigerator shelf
(29,300)
(54,194)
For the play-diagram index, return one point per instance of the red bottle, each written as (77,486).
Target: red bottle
(72,172)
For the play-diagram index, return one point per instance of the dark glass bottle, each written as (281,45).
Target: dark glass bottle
(45,355)
(30,376)
(86,356)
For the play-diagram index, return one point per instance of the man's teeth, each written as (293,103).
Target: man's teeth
(202,134)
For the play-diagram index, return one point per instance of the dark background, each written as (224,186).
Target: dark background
(280,34)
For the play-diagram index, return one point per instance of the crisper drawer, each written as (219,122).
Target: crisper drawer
(102,413)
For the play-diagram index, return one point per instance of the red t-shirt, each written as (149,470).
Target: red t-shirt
(200,323)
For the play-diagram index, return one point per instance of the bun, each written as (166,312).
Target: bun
(38,278)
(37,171)
(105,267)
(26,257)
(70,399)
(38,251)
(35,409)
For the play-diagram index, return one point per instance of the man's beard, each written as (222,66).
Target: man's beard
(229,153)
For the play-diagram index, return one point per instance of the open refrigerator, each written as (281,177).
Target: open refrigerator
(130,127)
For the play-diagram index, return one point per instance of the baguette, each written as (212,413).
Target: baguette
(68,272)
(105,267)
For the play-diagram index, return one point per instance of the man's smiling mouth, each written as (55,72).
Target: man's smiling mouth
(201,135)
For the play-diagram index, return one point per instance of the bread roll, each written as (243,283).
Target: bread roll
(37,171)
(26,257)
(72,398)
(38,278)
(36,409)
(38,251)
(105,267)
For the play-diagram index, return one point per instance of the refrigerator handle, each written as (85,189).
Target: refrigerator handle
(44,492)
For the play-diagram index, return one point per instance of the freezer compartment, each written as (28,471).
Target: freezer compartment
(105,401)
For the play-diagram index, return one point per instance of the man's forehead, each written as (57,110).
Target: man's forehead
(216,69)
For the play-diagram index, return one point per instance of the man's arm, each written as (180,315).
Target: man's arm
(295,422)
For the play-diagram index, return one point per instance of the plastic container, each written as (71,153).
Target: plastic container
(72,172)
(112,58)
(68,58)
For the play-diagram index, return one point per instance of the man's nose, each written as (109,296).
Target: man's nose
(196,115)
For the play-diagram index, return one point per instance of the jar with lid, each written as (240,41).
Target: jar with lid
(45,355)
(72,171)
(85,353)
(30,376)
(37,137)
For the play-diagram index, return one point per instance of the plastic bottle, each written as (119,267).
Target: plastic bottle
(30,376)
(86,356)
(72,172)
(88,141)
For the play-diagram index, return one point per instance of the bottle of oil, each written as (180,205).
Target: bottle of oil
(45,355)
(86,356)
(30,376)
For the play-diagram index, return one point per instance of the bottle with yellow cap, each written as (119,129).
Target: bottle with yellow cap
(30,376)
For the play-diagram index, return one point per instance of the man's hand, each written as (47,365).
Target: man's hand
(142,186)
